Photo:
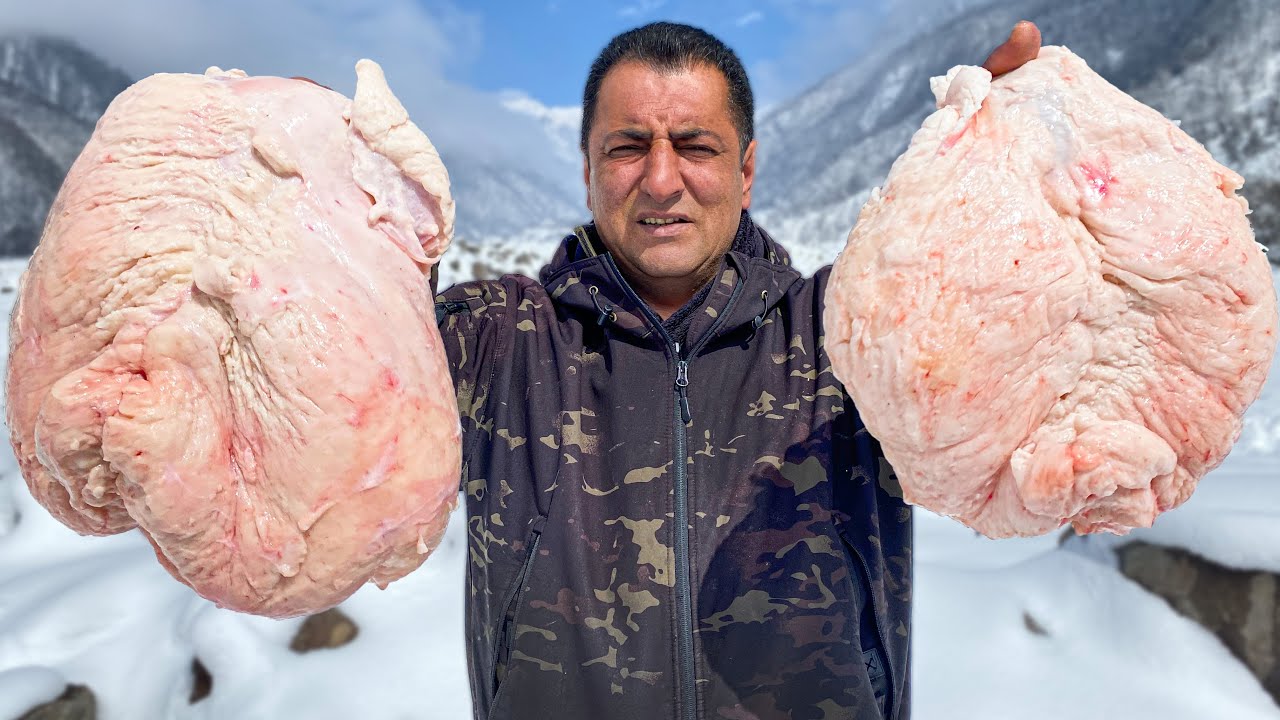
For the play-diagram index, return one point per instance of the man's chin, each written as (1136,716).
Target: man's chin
(672,269)
(671,275)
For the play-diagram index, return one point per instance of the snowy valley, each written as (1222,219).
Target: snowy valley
(1177,622)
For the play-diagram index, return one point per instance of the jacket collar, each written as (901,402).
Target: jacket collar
(583,278)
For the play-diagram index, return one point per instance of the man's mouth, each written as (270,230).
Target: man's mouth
(662,220)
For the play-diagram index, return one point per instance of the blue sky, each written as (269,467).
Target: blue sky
(544,47)
(540,47)
(457,67)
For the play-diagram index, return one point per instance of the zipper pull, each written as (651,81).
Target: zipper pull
(682,382)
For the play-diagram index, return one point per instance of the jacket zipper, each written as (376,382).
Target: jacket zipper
(875,614)
(682,382)
(684,604)
(512,605)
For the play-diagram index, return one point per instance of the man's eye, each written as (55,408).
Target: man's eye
(622,150)
(698,150)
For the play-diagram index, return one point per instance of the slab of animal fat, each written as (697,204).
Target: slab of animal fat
(1054,311)
(226,338)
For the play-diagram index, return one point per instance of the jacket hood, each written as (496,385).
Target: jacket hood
(753,277)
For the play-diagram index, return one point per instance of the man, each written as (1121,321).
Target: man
(673,509)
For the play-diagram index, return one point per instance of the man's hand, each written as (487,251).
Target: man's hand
(1023,45)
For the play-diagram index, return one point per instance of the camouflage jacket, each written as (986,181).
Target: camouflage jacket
(658,531)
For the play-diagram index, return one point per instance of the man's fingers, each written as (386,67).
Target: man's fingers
(1023,45)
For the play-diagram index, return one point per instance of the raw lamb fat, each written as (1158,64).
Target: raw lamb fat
(1054,311)
(226,338)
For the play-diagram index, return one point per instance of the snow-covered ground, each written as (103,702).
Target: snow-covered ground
(102,612)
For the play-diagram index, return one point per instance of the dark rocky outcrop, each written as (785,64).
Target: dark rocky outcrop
(329,629)
(76,703)
(1241,608)
(201,682)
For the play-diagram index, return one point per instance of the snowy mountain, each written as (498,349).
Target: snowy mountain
(497,200)
(524,252)
(1052,628)
(52,92)
(501,203)
(1214,65)
(561,124)
(61,74)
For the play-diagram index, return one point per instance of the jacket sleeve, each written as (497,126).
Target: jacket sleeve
(470,316)
(891,558)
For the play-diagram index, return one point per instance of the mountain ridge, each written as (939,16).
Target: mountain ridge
(1213,65)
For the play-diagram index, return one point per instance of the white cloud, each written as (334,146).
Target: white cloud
(827,35)
(643,7)
(562,123)
(751,17)
(560,116)
(321,39)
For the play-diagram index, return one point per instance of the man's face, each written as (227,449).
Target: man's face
(662,147)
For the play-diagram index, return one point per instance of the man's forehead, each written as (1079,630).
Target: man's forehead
(685,99)
(636,72)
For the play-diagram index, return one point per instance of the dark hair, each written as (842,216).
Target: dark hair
(667,46)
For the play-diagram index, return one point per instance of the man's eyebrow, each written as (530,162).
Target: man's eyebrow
(630,134)
(645,135)
(693,134)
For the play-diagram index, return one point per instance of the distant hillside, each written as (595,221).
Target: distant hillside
(51,93)
(1214,65)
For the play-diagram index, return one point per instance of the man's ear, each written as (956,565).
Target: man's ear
(586,179)
(748,173)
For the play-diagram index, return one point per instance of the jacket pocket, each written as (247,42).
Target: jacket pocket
(505,637)
(870,628)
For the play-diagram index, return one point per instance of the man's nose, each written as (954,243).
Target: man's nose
(662,180)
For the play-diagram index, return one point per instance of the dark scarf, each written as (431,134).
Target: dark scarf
(747,240)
